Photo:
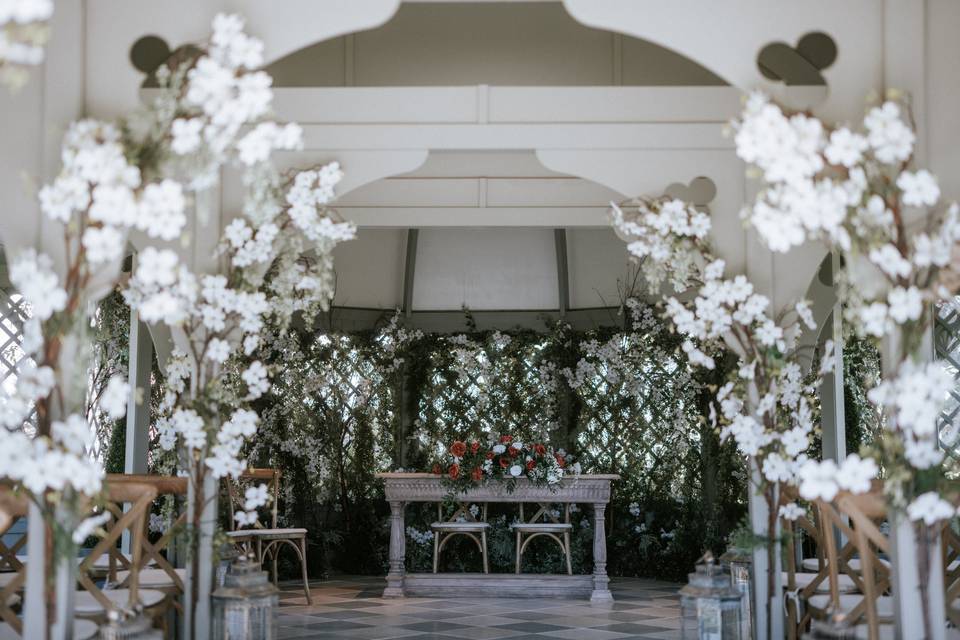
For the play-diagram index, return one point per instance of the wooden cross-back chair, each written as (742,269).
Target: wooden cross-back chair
(93,601)
(950,541)
(810,577)
(461,523)
(12,508)
(871,606)
(154,570)
(799,589)
(544,523)
(266,542)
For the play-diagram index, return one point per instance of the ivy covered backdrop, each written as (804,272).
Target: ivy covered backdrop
(621,397)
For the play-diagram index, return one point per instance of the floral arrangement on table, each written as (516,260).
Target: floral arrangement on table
(504,459)
(24,29)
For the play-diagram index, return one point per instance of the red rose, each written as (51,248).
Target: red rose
(560,461)
(474,446)
(512,452)
(504,463)
(531,465)
(454,471)
(540,449)
(436,469)
(457,449)
(489,455)
(506,439)
(476,474)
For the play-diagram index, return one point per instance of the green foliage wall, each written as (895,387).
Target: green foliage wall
(344,406)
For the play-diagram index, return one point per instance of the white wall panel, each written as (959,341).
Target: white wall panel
(596,259)
(370,269)
(485,269)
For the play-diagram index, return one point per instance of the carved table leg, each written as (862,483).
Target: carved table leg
(397,552)
(601,592)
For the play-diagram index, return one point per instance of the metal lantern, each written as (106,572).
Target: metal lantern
(129,625)
(243,608)
(739,565)
(710,604)
(228,553)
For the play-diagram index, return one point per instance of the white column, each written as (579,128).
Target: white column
(138,406)
(832,409)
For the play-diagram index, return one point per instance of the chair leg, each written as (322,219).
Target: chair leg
(274,552)
(483,540)
(518,553)
(436,549)
(566,550)
(303,568)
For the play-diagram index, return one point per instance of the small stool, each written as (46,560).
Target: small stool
(461,523)
(551,527)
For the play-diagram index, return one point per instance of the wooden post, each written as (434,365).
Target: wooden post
(601,583)
(397,552)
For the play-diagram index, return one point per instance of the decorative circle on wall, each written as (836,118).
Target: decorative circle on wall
(800,65)
(148,53)
(700,192)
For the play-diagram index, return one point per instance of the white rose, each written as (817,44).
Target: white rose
(517,445)
(516,470)
(498,449)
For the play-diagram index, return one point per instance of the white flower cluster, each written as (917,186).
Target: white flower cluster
(423,538)
(823,480)
(308,198)
(55,464)
(253,499)
(775,427)
(23,32)
(33,276)
(913,398)
(852,191)
(663,234)
(98,182)
(222,94)
(224,455)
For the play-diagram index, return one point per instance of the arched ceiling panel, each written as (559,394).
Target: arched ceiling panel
(457,43)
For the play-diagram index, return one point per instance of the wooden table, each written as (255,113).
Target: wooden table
(402,488)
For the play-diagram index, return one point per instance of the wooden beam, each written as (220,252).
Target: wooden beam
(410,271)
(563,276)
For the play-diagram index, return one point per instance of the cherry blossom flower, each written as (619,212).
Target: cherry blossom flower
(930,508)
(114,398)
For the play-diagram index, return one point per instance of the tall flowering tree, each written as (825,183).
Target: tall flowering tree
(142,177)
(23,32)
(858,193)
(766,406)
(97,200)
(273,260)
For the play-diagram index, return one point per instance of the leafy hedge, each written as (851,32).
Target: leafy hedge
(345,406)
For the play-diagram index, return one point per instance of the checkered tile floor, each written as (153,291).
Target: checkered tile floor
(352,608)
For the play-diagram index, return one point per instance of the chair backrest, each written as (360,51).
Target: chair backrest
(545,510)
(139,496)
(12,508)
(152,552)
(857,518)
(271,477)
(462,509)
(951,571)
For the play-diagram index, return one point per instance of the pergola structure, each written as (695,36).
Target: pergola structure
(482,141)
